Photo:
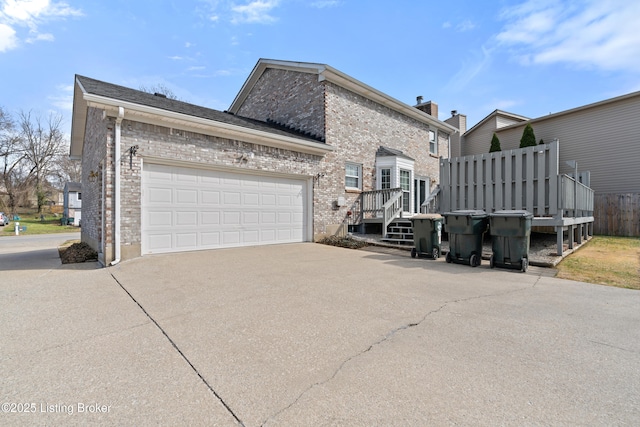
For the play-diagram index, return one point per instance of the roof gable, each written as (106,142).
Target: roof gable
(325,72)
(495,114)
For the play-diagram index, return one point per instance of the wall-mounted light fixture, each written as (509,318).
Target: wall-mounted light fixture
(93,176)
(132,152)
(245,157)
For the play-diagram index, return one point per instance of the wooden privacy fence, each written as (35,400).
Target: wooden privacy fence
(617,214)
(523,179)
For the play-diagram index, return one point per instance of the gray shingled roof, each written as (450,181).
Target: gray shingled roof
(390,152)
(112,91)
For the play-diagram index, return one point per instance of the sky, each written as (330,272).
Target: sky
(527,57)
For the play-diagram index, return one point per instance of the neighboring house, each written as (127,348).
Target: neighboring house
(72,202)
(601,137)
(299,146)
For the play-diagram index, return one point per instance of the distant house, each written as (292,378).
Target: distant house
(601,137)
(72,202)
(291,161)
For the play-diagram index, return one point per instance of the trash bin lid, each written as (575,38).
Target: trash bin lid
(430,216)
(512,214)
(469,213)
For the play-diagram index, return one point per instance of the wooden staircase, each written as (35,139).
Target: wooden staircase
(399,232)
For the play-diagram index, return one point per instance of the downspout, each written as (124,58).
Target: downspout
(117,186)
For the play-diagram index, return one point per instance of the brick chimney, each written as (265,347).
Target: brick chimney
(428,107)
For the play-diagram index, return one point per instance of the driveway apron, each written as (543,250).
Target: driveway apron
(307,334)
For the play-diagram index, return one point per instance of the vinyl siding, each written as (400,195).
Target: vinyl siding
(603,139)
(478,141)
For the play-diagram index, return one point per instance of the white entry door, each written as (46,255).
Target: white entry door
(185,209)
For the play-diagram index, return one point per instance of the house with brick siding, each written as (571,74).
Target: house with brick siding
(304,151)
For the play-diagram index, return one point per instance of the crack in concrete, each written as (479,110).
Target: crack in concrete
(386,338)
(175,346)
(613,346)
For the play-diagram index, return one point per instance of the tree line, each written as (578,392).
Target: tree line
(34,160)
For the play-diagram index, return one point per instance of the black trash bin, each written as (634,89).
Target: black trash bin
(427,235)
(466,230)
(510,237)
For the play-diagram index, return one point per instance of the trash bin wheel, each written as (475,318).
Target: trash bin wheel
(491,262)
(435,253)
(414,253)
(448,258)
(474,261)
(525,265)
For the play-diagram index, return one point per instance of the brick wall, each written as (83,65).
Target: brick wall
(98,133)
(355,126)
(289,97)
(179,145)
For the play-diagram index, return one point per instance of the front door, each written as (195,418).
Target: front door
(421,191)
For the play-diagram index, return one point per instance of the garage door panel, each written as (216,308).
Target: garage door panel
(187,218)
(210,239)
(160,242)
(159,195)
(251,236)
(160,218)
(209,197)
(210,218)
(251,199)
(230,238)
(251,218)
(186,240)
(186,196)
(188,209)
(231,198)
(231,218)
(268,217)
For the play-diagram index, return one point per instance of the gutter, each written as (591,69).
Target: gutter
(118,168)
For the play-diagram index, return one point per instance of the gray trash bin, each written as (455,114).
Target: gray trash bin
(510,237)
(466,230)
(427,235)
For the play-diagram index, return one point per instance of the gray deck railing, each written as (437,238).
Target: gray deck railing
(380,205)
(576,199)
(524,178)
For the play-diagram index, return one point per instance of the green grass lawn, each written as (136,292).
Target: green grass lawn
(35,225)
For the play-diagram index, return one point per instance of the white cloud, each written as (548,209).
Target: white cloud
(41,37)
(465,25)
(255,12)
(64,98)
(8,39)
(476,63)
(16,14)
(446,24)
(600,34)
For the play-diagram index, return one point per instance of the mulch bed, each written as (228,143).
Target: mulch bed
(76,253)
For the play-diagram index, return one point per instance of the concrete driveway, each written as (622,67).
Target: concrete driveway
(307,334)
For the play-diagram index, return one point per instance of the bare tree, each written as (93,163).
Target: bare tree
(66,170)
(161,89)
(11,162)
(41,144)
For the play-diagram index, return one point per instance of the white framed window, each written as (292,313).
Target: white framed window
(385,179)
(353,176)
(433,142)
(405,185)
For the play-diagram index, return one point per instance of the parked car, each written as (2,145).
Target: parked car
(4,219)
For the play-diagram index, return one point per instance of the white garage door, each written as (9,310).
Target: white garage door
(185,209)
